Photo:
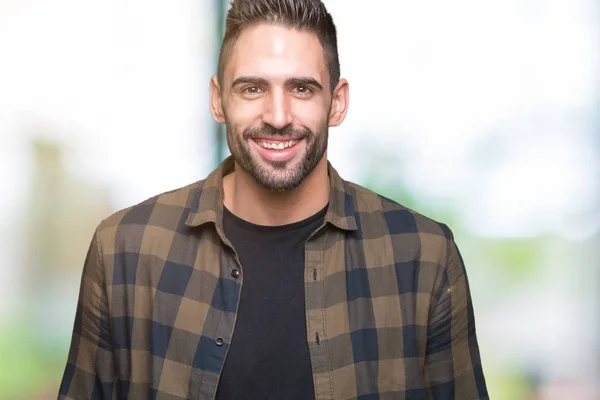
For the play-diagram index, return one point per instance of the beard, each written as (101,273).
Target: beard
(278,175)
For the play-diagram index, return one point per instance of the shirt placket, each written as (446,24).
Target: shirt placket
(222,321)
(315,317)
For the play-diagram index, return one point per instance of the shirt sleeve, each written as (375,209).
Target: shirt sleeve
(452,361)
(89,373)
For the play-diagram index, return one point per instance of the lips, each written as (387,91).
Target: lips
(276,145)
(277,150)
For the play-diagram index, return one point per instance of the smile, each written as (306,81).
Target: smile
(274,150)
(276,145)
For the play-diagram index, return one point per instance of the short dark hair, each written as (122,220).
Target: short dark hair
(306,15)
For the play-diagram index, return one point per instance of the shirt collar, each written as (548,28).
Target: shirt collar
(208,202)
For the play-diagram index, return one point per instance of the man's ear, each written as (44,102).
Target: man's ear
(216,103)
(339,103)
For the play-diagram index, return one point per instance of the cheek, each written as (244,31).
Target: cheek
(240,115)
(311,114)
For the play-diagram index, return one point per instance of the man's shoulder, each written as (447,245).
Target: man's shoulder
(374,208)
(165,212)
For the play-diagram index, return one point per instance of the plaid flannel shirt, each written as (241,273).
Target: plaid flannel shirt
(388,308)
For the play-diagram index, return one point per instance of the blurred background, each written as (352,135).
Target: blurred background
(484,115)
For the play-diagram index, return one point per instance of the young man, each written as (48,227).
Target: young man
(273,278)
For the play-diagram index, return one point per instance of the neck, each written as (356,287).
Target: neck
(248,200)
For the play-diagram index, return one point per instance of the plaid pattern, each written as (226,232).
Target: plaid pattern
(388,309)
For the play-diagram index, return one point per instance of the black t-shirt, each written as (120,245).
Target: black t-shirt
(268,357)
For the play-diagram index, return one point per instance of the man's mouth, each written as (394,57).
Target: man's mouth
(276,144)
(277,150)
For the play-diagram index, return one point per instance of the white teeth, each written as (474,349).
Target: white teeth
(278,146)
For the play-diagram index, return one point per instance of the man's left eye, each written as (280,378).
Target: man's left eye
(302,90)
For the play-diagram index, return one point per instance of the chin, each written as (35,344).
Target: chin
(278,181)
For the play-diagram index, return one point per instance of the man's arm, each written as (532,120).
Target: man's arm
(89,373)
(452,362)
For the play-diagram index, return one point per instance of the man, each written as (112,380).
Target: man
(273,278)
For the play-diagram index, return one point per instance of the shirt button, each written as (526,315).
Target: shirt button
(219,341)
(235,273)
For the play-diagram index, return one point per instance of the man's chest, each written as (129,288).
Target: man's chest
(365,323)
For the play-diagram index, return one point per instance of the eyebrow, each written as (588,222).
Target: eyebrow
(250,79)
(306,81)
(255,80)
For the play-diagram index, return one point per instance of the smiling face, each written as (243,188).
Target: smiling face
(277,106)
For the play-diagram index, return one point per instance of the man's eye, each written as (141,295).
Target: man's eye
(252,90)
(302,90)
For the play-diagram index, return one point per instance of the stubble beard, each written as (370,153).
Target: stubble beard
(278,176)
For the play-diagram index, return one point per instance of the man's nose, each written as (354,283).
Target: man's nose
(278,111)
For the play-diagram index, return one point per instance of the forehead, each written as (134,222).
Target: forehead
(275,52)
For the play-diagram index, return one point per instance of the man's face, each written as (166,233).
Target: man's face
(276,103)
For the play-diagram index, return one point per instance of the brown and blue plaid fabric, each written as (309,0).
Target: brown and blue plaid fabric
(388,308)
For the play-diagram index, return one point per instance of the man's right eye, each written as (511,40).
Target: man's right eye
(251,90)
